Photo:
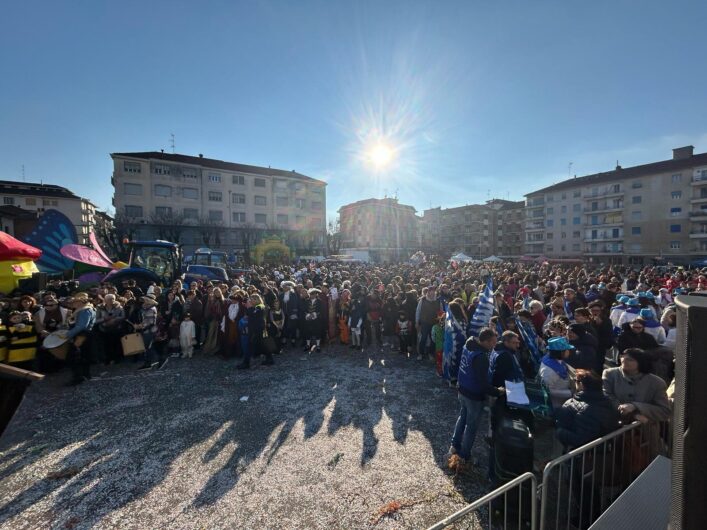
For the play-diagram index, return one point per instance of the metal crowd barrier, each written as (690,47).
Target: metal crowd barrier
(502,510)
(580,485)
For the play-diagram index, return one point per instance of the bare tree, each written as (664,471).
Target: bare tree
(170,227)
(211,230)
(111,236)
(333,237)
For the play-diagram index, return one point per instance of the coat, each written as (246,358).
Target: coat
(585,417)
(560,389)
(647,392)
(629,339)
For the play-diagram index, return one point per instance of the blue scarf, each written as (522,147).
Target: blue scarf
(556,365)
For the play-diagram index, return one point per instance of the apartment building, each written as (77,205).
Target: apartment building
(232,202)
(36,198)
(384,227)
(478,230)
(629,215)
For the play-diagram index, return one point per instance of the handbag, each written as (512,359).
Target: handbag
(132,344)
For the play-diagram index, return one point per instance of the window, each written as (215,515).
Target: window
(563,209)
(317,206)
(300,219)
(238,198)
(214,177)
(161,169)
(163,191)
(577,193)
(215,215)
(636,199)
(261,200)
(635,230)
(575,247)
(259,183)
(299,203)
(215,196)
(238,217)
(189,172)
(8,200)
(676,228)
(563,248)
(550,211)
(315,221)
(282,219)
(677,177)
(563,235)
(133,211)
(550,198)
(676,194)
(675,245)
(595,220)
(261,218)
(30,202)
(163,211)
(615,188)
(134,189)
(577,207)
(549,235)
(576,234)
(675,212)
(576,221)
(549,222)
(239,180)
(636,216)
(191,213)
(131,167)
(281,184)
(563,221)
(282,201)
(637,185)
(550,248)
(564,196)
(190,193)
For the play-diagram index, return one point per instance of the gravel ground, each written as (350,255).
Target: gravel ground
(324,440)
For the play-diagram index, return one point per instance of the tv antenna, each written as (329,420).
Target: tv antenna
(23,173)
(396,194)
(569,170)
(171,142)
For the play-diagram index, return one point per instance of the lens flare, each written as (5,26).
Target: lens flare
(381,155)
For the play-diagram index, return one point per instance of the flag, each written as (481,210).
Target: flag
(530,338)
(526,302)
(484,311)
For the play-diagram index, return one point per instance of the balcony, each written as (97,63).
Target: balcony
(602,194)
(699,200)
(603,209)
(603,238)
(698,233)
(698,181)
(700,249)
(600,224)
(698,215)
(606,249)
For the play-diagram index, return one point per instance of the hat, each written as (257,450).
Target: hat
(313,291)
(150,298)
(633,302)
(287,283)
(650,295)
(602,285)
(559,344)
(623,299)
(646,313)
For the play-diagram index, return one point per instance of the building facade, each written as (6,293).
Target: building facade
(629,215)
(36,198)
(478,230)
(384,227)
(207,202)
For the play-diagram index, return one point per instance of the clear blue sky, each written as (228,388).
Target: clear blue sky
(476,97)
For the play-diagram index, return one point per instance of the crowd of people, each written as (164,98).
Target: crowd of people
(478,325)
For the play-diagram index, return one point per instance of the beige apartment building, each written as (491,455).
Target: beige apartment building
(383,227)
(207,202)
(629,215)
(35,198)
(478,230)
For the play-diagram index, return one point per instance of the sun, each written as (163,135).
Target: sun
(381,155)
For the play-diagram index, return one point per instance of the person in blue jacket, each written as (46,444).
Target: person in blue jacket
(474,385)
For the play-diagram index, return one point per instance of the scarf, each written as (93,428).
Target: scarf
(233,311)
(555,365)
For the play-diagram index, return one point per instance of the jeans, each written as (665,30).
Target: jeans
(425,338)
(467,424)
(151,354)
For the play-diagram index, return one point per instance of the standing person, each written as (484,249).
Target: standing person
(148,327)
(438,339)
(234,312)
(554,373)
(79,335)
(454,340)
(22,339)
(425,317)
(255,309)
(290,302)
(342,313)
(195,307)
(187,336)
(374,317)
(50,318)
(110,319)
(356,318)
(474,387)
(214,313)
(276,323)
(402,327)
(312,324)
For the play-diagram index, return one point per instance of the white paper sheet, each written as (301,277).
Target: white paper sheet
(515,393)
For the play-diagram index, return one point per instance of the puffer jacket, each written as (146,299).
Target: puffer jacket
(587,416)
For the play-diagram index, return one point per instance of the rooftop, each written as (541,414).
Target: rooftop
(12,187)
(218,164)
(388,201)
(620,173)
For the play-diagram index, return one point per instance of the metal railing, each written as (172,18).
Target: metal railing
(512,513)
(580,485)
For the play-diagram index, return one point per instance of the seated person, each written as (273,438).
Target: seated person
(589,415)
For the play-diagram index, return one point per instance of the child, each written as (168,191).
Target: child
(187,336)
(438,339)
(403,329)
(244,336)
(356,324)
(22,345)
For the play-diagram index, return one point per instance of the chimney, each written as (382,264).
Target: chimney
(680,153)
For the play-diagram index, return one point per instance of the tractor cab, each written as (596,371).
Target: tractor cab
(158,262)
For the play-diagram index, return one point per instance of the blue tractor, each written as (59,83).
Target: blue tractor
(161,263)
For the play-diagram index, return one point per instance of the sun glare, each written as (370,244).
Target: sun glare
(381,155)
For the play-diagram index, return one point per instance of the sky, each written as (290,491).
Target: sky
(474,99)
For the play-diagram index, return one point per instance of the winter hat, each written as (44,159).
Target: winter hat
(559,344)
(633,302)
(623,299)
(646,313)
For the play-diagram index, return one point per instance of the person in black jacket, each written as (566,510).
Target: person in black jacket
(290,303)
(588,415)
(633,335)
(585,355)
(603,329)
(255,309)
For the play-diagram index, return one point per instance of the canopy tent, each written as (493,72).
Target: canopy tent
(460,257)
(492,259)
(11,248)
